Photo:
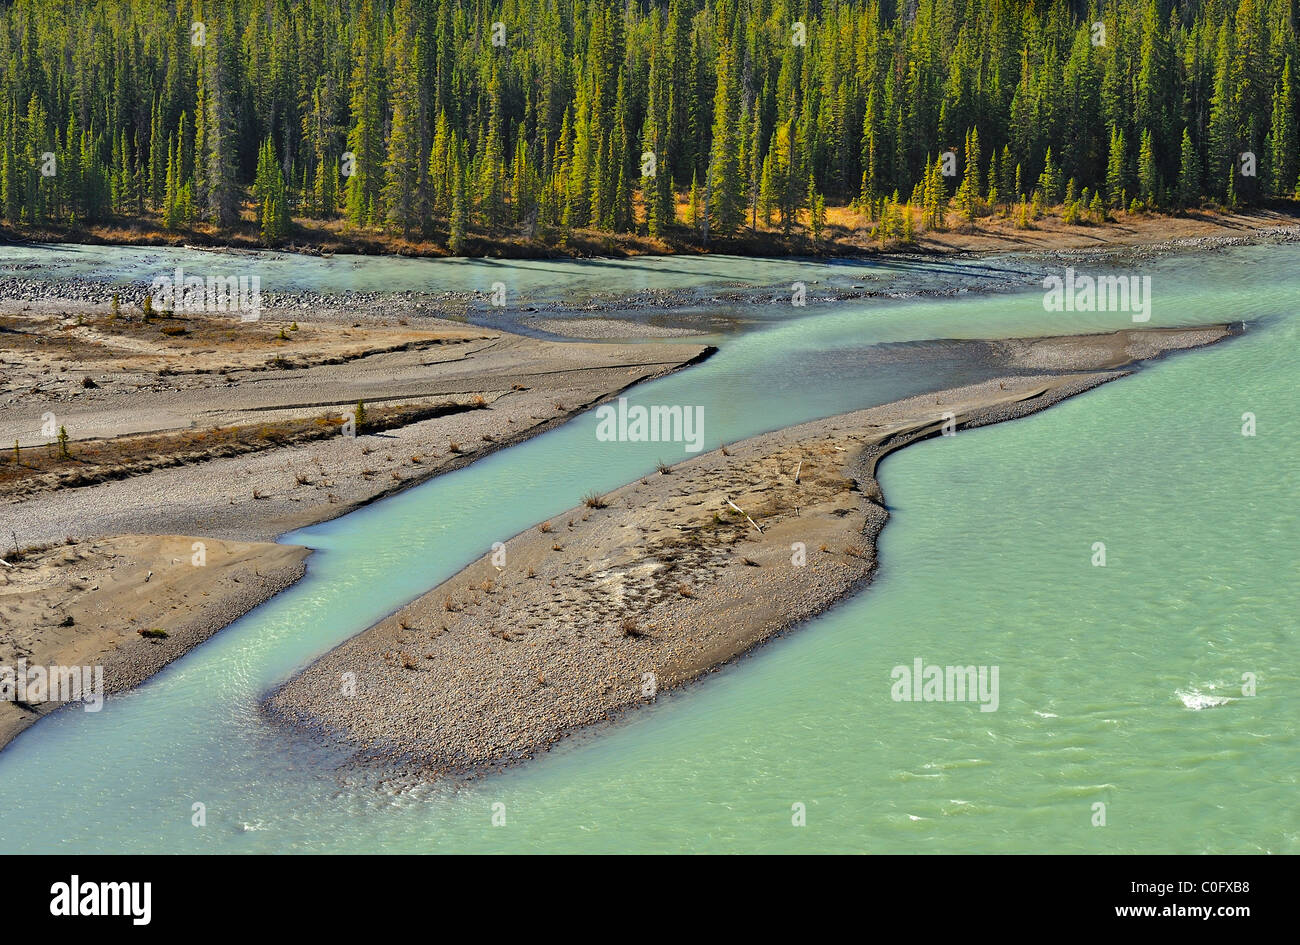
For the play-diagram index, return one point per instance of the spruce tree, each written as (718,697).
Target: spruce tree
(1282,136)
(1189,173)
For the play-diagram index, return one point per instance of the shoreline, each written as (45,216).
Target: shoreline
(81,547)
(662,316)
(992,234)
(214,457)
(607,604)
(123,610)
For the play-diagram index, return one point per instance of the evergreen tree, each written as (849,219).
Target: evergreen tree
(1189,173)
(459,211)
(1223,116)
(364,202)
(1116,170)
(1282,137)
(726,205)
(1148,177)
(405,190)
(269,193)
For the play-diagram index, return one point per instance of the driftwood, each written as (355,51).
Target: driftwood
(747,518)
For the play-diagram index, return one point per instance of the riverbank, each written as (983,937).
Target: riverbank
(128,604)
(230,435)
(847,233)
(661,297)
(238,431)
(655,584)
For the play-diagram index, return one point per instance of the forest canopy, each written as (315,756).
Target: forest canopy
(433,116)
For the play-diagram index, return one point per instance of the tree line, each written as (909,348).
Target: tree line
(429,118)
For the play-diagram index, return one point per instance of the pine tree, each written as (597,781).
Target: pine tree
(1148,177)
(994,196)
(726,205)
(405,190)
(271,197)
(1116,170)
(1189,173)
(219,137)
(816,215)
(491,185)
(968,194)
(364,200)
(872,134)
(1049,182)
(935,196)
(459,211)
(158,158)
(696,216)
(578,189)
(174,214)
(1222,131)
(1282,136)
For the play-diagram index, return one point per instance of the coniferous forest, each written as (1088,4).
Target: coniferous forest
(434,118)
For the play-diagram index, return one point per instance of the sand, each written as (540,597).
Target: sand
(594,612)
(81,555)
(526,385)
(84,603)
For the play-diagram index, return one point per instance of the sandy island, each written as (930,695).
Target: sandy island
(661,581)
(206,429)
(130,604)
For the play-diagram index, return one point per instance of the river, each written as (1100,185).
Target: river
(1119,685)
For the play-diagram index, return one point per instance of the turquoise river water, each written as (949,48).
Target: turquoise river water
(1119,685)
